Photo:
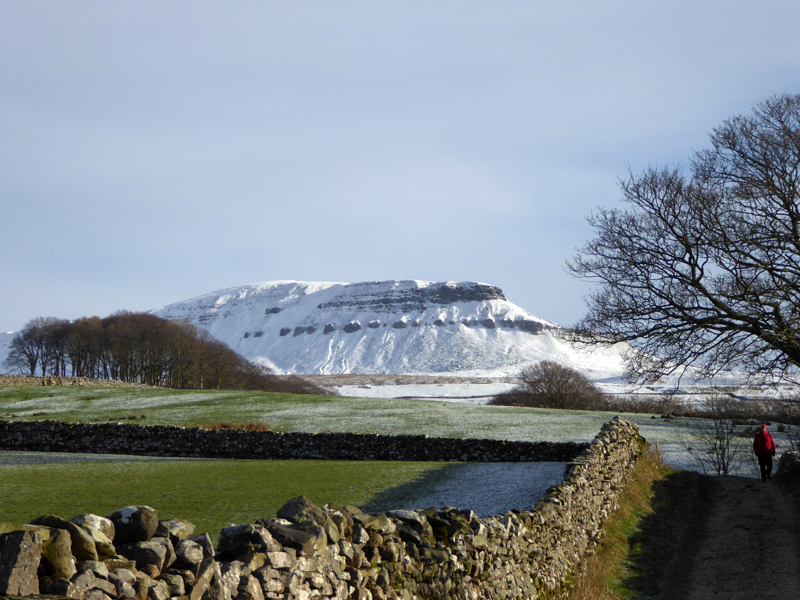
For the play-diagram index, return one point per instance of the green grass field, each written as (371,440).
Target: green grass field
(208,493)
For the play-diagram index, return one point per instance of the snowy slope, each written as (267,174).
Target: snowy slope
(411,327)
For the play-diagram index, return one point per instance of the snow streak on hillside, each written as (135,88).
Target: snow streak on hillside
(410,327)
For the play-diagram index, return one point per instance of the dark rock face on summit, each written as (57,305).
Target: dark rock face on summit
(365,296)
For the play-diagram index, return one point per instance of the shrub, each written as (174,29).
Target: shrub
(548,384)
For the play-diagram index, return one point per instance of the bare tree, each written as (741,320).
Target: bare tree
(37,344)
(704,269)
(714,442)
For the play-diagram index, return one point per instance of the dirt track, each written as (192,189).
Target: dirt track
(749,548)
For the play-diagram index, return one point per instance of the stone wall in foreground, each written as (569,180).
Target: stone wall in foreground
(330,552)
(163,440)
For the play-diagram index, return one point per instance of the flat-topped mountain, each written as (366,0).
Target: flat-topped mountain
(405,326)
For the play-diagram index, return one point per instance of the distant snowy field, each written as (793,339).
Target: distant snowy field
(472,393)
(693,393)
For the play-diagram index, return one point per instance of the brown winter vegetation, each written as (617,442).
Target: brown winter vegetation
(228,426)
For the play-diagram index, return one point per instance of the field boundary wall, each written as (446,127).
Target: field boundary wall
(338,552)
(171,441)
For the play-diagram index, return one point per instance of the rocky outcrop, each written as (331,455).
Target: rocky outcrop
(339,552)
(351,327)
(378,297)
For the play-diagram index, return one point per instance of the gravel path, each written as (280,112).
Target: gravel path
(749,548)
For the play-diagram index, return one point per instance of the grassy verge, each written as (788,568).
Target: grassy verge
(208,493)
(648,540)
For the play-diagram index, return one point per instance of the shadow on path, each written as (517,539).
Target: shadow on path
(722,538)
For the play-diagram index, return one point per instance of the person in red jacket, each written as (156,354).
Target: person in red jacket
(764,447)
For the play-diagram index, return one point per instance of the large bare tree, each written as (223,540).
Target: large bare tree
(703,268)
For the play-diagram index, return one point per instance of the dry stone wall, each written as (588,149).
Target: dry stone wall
(54,380)
(330,552)
(158,440)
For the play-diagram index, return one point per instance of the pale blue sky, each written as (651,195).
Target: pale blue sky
(151,152)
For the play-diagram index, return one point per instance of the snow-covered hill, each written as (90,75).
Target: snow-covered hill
(411,327)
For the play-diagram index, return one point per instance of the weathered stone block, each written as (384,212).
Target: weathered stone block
(189,552)
(102,524)
(20,553)
(174,529)
(58,586)
(304,543)
(235,540)
(134,524)
(83,546)
(145,554)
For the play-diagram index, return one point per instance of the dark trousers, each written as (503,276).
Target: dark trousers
(765,462)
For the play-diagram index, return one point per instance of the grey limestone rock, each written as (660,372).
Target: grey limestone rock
(409,517)
(230,576)
(189,552)
(376,523)
(175,529)
(204,541)
(352,327)
(170,557)
(103,545)
(58,586)
(145,553)
(249,589)
(529,325)
(57,560)
(106,526)
(235,540)
(20,552)
(301,541)
(159,590)
(175,583)
(282,561)
(134,524)
(123,582)
(300,509)
(205,575)
(95,566)
(83,546)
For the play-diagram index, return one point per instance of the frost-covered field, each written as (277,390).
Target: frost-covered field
(446,416)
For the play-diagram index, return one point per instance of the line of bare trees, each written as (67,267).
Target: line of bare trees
(138,348)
